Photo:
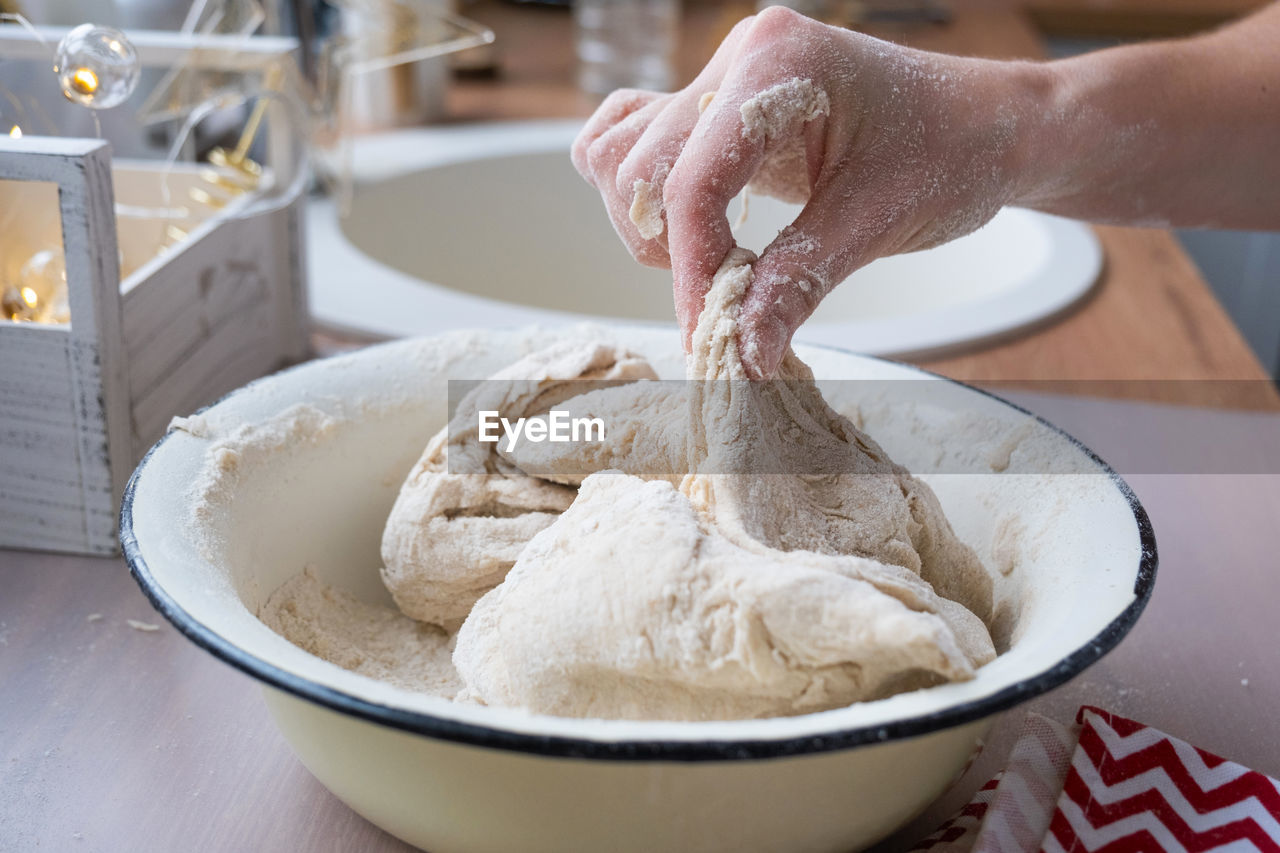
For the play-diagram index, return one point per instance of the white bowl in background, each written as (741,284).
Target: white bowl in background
(459,777)
(488,225)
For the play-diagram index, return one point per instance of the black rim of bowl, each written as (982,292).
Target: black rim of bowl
(478,734)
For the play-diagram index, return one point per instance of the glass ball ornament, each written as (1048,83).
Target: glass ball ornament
(97,67)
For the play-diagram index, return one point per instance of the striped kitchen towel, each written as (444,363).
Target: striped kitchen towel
(1133,788)
(1112,784)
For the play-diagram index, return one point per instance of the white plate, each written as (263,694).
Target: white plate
(489,225)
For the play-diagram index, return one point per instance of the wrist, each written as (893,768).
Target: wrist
(1039,162)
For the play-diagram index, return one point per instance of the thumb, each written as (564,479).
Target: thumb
(798,269)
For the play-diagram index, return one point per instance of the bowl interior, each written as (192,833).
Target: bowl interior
(210,539)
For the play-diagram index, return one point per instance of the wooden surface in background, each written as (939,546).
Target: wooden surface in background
(1151,315)
(1134,18)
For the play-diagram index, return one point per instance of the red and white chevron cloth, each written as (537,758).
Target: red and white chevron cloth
(956,834)
(1111,784)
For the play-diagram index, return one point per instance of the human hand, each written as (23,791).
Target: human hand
(892,149)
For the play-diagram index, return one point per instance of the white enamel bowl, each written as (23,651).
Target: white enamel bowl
(466,778)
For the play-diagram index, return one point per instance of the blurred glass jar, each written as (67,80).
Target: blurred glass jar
(626,44)
(400,95)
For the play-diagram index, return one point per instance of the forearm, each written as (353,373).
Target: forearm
(1181,133)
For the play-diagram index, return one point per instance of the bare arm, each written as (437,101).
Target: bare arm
(895,150)
(1182,133)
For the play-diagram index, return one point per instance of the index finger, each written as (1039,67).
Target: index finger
(716,163)
(747,118)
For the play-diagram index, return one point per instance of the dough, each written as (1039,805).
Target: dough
(648,433)
(465,512)
(646,208)
(796,569)
(775,118)
(812,481)
(628,607)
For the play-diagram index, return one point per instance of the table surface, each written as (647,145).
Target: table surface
(113,737)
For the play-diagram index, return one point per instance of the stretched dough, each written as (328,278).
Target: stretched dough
(810,480)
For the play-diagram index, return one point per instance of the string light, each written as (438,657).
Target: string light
(84,81)
(15,132)
(40,296)
(20,304)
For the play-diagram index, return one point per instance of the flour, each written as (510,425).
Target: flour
(242,449)
(379,642)
(1006,546)
(1002,454)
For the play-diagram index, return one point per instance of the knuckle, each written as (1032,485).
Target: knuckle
(790,284)
(743,25)
(739,30)
(812,287)
(775,20)
(676,209)
(625,97)
(600,154)
(629,171)
(637,166)
(617,102)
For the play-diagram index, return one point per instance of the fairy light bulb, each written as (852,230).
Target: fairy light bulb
(15,132)
(84,81)
(97,67)
(40,295)
(20,304)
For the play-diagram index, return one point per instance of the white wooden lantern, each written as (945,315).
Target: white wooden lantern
(81,402)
